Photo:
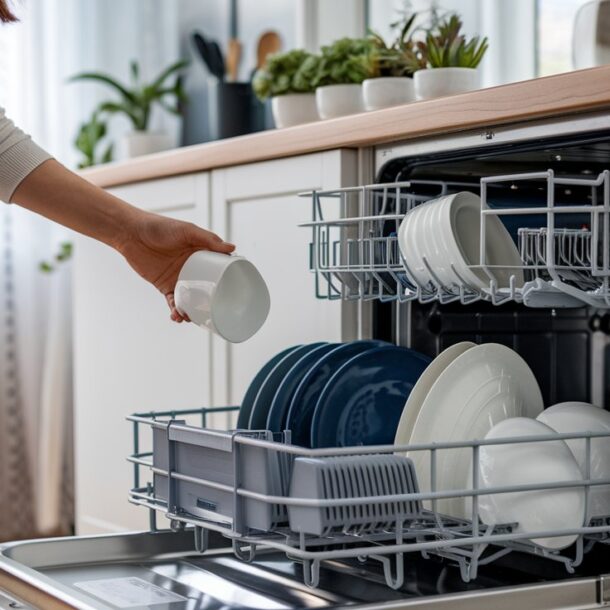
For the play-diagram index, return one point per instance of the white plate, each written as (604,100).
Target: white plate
(577,417)
(422,387)
(408,237)
(485,385)
(529,464)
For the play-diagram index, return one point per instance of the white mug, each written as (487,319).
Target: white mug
(223,293)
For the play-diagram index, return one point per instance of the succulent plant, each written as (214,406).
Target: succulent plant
(445,47)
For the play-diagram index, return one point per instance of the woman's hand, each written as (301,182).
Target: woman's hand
(157,247)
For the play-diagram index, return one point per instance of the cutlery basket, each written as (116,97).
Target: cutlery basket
(208,467)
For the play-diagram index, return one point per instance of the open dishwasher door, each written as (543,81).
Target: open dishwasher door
(163,571)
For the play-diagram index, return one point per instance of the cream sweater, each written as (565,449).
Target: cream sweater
(19,155)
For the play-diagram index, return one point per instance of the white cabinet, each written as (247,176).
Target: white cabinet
(257,207)
(130,357)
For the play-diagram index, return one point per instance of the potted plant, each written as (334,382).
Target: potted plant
(90,135)
(451,60)
(136,102)
(291,90)
(390,69)
(339,75)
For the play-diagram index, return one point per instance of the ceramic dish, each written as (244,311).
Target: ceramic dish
(362,402)
(248,401)
(574,417)
(306,396)
(529,464)
(422,387)
(278,411)
(483,386)
(266,393)
(408,237)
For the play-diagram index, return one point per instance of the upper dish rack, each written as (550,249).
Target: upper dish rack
(561,226)
(242,484)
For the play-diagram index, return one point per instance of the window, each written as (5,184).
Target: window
(555,25)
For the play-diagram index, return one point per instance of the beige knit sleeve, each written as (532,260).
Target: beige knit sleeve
(19,155)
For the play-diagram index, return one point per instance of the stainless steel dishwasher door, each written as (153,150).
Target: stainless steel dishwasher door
(102,572)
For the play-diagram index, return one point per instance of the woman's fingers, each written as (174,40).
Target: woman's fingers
(206,240)
(175,315)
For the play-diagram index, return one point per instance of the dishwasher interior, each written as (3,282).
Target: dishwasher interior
(228,494)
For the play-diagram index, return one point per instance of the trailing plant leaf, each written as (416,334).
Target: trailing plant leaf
(64,254)
(89,136)
(281,75)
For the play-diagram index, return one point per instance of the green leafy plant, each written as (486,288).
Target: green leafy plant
(137,99)
(400,58)
(279,75)
(445,47)
(343,62)
(89,137)
(64,254)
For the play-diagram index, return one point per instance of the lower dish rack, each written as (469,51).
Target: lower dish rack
(262,492)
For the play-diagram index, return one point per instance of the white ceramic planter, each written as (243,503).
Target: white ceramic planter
(294,109)
(439,82)
(138,143)
(387,91)
(339,100)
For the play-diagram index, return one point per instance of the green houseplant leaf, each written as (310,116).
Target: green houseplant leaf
(282,74)
(343,62)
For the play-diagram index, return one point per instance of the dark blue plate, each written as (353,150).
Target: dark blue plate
(255,385)
(305,398)
(266,393)
(276,419)
(363,401)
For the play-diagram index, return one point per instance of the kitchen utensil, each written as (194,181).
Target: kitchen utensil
(210,53)
(268,43)
(352,477)
(249,397)
(422,387)
(278,411)
(266,393)
(485,385)
(570,417)
(225,294)
(540,462)
(303,403)
(233,59)
(362,402)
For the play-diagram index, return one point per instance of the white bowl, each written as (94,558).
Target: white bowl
(540,462)
(225,294)
(440,82)
(339,100)
(574,417)
(387,91)
(294,109)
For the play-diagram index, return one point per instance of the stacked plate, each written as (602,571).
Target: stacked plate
(440,245)
(333,395)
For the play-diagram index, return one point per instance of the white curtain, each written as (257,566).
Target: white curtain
(54,40)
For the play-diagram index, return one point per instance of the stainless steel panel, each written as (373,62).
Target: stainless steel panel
(219,580)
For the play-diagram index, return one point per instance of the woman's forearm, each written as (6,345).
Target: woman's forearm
(58,194)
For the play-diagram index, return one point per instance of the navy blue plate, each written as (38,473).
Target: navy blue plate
(305,398)
(363,401)
(276,419)
(266,393)
(255,385)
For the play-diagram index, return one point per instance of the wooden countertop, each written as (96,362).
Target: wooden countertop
(574,92)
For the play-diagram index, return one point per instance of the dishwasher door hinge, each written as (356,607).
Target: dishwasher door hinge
(604,590)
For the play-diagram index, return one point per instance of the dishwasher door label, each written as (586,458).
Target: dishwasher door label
(129,592)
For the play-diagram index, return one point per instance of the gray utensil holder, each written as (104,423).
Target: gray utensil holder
(213,463)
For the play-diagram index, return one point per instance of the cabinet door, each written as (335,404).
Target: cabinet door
(129,357)
(257,207)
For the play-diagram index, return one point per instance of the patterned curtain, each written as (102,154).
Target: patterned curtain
(16,499)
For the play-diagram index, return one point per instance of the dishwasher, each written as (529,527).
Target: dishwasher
(240,528)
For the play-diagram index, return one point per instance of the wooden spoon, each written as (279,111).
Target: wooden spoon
(233,58)
(268,43)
